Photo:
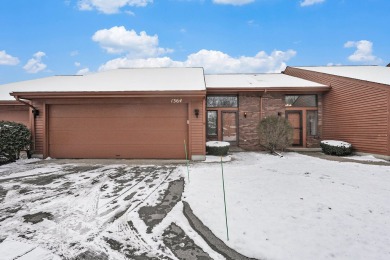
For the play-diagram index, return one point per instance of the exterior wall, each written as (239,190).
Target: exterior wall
(269,104)
(15,113)
(248,103)
(273,104)
(355,111)
(197,130)
(38,129)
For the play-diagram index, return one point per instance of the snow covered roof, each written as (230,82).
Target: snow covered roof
(140,79)
(378,74)
(257,81)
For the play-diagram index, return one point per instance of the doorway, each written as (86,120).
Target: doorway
(222,125)
(295,119)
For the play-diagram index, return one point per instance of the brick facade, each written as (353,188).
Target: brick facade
(257,107)
(249,104)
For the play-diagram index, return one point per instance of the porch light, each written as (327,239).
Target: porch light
(245,114)
(196,112)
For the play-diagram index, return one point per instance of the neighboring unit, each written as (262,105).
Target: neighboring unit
(356,109)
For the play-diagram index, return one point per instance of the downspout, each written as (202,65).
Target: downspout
(35,112)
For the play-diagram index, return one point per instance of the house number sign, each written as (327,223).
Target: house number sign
(176,100)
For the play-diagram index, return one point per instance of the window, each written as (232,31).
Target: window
(301,100)
(222,101)
(212,120)
(311,122)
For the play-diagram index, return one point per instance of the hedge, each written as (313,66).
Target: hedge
(338,148)
(14,137)
(217,148)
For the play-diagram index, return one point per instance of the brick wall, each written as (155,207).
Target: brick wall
(257,107)
(273,103)
(248,137)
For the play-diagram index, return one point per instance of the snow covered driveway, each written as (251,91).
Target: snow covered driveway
(296,207)
(77,211)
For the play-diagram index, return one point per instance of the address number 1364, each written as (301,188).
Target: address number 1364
(176,100)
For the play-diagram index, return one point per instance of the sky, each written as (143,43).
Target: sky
(43,38)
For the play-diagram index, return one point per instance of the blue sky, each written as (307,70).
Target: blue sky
(56,37)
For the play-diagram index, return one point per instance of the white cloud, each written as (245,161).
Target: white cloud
(77,64)
(6,59)
(331,64)
(119,40)
(83,71)
(74,53)
(233,2)
(363,52)
(212,61)
(110,6)
(35,64)
(311,2)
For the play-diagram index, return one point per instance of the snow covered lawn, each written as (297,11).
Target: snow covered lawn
(295,207)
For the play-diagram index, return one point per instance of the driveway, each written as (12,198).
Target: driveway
(89,210)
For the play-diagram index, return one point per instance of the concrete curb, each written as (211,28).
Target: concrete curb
(214,242)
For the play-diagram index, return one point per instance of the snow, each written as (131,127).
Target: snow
(139,79)
(378,74)
(217,144)
(268,80)
(336,143)
(213,158)
(367,158)
(295,207)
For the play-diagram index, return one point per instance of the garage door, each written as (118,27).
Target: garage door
(118,131)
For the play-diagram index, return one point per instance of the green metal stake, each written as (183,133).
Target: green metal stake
(185,150)
(224,199)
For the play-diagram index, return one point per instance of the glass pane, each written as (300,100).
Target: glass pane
(301,100)
(229,127)
(311,122)
(222,101)
(211,122)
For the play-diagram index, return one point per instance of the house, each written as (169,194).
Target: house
(357,108)
(169,113)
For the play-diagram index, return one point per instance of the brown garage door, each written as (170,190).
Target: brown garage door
(118,131)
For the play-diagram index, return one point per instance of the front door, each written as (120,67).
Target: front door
(295,119)
(229,127)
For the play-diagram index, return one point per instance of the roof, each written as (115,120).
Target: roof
(139,79)
(265,81)
(377,74)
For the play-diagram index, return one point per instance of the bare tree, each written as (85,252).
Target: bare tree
(275,133)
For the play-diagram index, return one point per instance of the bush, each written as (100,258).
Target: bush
(217,148)
(275,133)
(338,148)
(14,137)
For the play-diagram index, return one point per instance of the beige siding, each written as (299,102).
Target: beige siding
(354,111)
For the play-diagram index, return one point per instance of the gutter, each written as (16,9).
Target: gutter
(35,111)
